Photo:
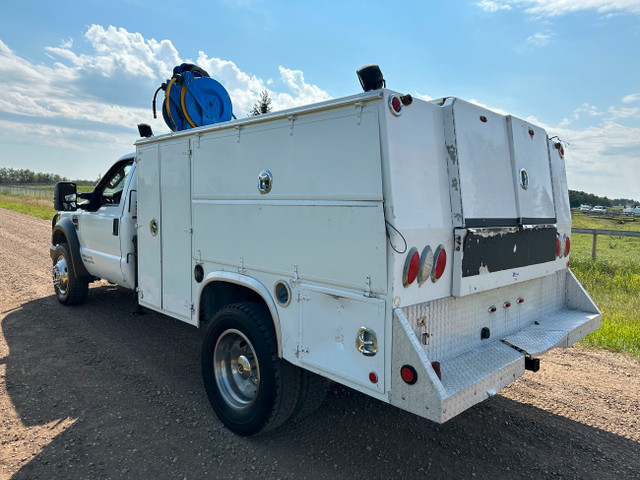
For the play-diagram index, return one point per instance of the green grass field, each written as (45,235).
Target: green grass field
(613,280)
(35,206)
(41,207)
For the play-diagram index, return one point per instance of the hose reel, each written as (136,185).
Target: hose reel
(193,99)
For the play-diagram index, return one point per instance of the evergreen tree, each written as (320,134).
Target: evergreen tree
(262,106)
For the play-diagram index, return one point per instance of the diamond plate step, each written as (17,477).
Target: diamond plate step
(561,329)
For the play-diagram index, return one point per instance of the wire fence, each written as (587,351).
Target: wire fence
(32,190)
(599,231)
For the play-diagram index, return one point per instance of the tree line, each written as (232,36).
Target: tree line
(13,176)
(578,197)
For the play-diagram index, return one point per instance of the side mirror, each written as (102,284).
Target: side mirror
(65,195)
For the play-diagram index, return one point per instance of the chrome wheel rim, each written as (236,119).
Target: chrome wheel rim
(60,275)
(236,369)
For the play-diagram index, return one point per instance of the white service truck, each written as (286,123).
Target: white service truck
(416,251)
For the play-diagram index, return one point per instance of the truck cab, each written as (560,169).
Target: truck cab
(98,228)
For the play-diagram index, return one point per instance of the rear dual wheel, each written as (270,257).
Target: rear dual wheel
(249,387)
(252,390)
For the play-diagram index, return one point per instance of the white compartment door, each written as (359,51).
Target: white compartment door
(479,166)
(175,174)
(530,161)
(149,247)
(330,321)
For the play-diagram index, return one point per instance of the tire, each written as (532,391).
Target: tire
(313,389)
(69,289)
(251,390)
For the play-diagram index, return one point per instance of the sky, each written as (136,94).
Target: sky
(77,77)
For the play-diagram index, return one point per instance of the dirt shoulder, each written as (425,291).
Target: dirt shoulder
(95,392)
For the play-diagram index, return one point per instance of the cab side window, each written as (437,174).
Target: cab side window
(112,192)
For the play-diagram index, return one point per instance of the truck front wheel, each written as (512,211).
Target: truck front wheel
(249,387)
(69,289)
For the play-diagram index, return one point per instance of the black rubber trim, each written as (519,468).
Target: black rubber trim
(537,221)
(506,222)
(490,222)
(66,227)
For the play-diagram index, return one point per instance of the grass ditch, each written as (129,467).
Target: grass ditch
(35,206)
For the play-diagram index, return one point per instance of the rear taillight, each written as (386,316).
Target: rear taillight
(411,267)
(409,374)
(441,263)
(395,105)
(557,247)
(428,265)
(567,246)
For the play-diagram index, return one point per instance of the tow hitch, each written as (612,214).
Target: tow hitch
(531,363)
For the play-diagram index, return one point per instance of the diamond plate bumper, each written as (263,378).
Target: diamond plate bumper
(473,369)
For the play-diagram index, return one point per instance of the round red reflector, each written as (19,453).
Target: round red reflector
(557,247)
(441,263)
(492,309)
(506,304)
(409,374)
(411,267)
(396,104)
(567,246)
(373,378)
(521,300)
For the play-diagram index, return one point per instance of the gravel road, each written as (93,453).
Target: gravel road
(94,392)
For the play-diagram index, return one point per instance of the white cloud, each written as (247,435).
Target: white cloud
(634,97)
(491,7)
(114,83)
(590,110)
(617,113)
(245,89)
(554,8)
(539,39)
(602,159)
(93,100)
(119,52)
(303,92)
(423,96)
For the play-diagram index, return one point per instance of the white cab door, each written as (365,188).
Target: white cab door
(100,230)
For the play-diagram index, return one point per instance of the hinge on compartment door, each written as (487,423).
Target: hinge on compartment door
(303,297)
(359,106)
(368,293)
(291,119)
(300,349)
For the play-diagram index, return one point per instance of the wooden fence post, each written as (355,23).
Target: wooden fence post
(595,242)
